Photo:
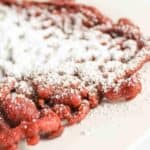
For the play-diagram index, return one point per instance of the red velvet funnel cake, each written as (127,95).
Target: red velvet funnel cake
(57,62)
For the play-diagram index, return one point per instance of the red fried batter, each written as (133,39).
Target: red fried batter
(131,88)
(52,1)
(72,95)
(94,99)
(65,113)
(127,90)
(83,110)
(43,91)
(67,96)
(18,108)
(125,27)
(59,95)
(9,138)
(48,125)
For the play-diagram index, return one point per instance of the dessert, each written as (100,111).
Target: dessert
(57,62)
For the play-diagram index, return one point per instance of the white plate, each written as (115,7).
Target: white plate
(143,143)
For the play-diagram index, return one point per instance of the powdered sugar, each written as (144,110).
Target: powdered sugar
(61,48)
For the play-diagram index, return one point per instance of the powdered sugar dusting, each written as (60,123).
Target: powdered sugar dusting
(59,49)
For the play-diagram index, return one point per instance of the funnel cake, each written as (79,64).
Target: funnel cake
(57,62)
